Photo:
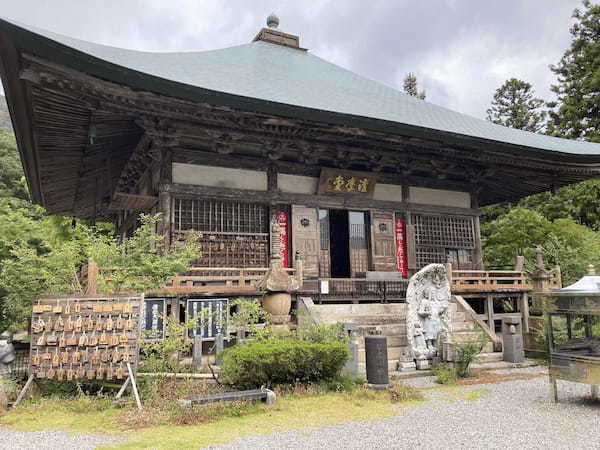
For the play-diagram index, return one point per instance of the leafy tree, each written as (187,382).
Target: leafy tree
(514,105)
(576,114)
(411,86)
(12,179)
(142,262)
(518,232)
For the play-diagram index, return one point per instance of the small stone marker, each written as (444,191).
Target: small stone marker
(512,340)
(219,345)
(197,354)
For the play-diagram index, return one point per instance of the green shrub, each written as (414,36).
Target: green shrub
(465,354)
(322,333)
(445,374)
(270,362)
(400,392)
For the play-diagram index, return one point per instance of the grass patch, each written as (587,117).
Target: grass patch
(175,428)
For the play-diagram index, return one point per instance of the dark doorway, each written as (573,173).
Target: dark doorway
(339,238)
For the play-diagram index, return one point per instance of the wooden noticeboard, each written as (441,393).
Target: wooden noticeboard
(92,337)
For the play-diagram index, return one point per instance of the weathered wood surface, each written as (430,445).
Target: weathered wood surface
(482,281)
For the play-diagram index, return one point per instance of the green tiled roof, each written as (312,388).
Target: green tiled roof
(278,75)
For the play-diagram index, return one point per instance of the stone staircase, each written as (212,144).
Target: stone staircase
(465,329)
(384,319)
(390,320)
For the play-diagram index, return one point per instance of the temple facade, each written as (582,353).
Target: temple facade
(366,184)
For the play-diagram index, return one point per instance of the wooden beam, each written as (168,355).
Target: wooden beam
(324,201)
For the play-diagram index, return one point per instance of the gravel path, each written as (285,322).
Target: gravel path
(51,440)
(513,414)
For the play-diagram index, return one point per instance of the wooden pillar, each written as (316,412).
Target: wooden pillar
(92,277)
(525,311)
(490,312)
(165,208)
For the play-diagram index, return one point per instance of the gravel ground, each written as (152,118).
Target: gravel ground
(51,440)
(518,414)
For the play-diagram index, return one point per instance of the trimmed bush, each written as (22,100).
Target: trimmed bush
(274,361)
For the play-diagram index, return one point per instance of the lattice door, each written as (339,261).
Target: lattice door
(306,239)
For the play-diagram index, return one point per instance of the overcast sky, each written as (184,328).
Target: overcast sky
(460,50)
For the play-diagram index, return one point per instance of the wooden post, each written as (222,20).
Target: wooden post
(134,386)
(92,277)
(525,311)
(490,312)
(122,390)
(24,390)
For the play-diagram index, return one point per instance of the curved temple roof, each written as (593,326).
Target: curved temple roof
(277,77)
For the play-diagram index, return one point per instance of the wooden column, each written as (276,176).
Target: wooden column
(165,208)
(490,312)
(525,311)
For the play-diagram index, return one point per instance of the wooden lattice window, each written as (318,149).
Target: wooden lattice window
(444,238)
(231,234)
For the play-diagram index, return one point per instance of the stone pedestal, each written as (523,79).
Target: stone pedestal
(422,364)
(512,340)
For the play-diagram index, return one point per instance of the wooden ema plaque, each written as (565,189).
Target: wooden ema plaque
(89,337)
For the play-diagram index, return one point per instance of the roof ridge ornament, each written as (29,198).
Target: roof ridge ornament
(272,21)
(273,35)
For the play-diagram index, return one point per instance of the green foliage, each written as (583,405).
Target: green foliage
(410,86)
(271,362)
(312,332)
(12,179)
(515,233)
(142,262)
(576,114)
(445,374)
(164,355)
(465,353)
(515,106)
(400,393)
(520,231)
(245,315)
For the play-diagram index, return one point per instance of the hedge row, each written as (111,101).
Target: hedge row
(271,362)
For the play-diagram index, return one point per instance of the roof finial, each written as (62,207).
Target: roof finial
(272,21)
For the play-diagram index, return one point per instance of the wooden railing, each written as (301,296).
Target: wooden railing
(472,315)
(492,280)
(361,289)
(195,280)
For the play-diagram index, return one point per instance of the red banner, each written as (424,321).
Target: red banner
(401,251)
(282,219)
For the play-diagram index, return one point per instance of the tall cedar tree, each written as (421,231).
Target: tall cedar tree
(576,114)
(411,88)
(515,106)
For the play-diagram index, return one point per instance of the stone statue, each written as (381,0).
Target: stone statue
(428,316)
(7,352)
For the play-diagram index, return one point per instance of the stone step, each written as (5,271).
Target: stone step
(463,326)
(366,319)
(393,353)
(484,358)
(465,336)
(459,316)
(392,366)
